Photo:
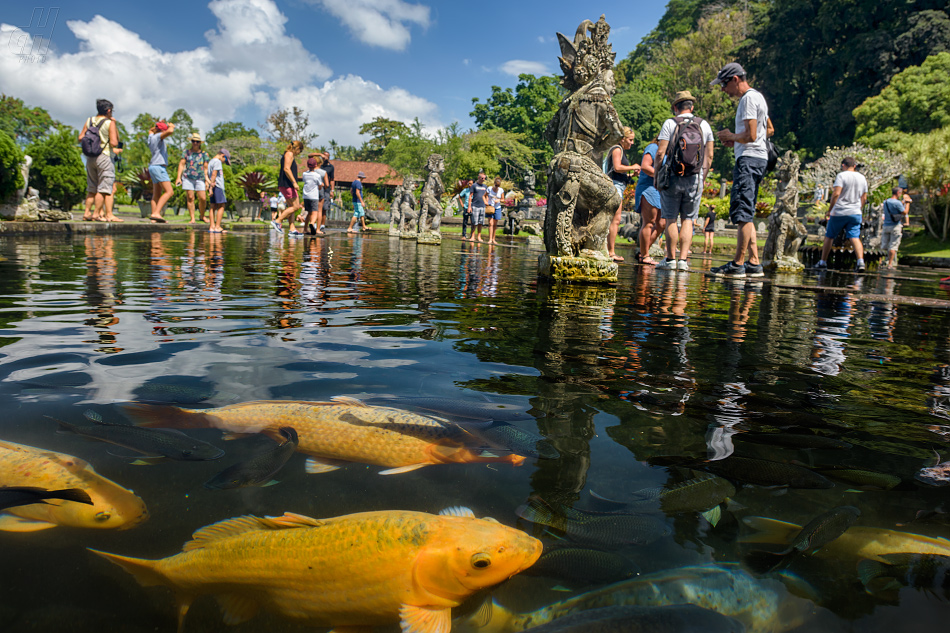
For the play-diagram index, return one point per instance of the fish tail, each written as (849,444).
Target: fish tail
(142,570)
(769,531)
(165,416)
(869,569)
(537,511)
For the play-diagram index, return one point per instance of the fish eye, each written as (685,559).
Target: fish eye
(102,517)
(481,560)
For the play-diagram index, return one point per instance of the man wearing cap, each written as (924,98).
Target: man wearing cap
(358,212)
(216,178)
(193,176)
(753,127)
(681,199)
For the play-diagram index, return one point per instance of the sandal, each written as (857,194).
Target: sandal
(617,258)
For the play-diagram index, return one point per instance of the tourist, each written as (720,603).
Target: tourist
(158,169)
(462,198)
(848,197)
(359,213)
(274,202)
(896,212)
(100,169)
(496,197)
(216,178)
(646,202)
(477,200)
(327,200)
(709,231)
(618,167)
(753,127)
(193,177)
(287,184)
(314,182)
(690,140)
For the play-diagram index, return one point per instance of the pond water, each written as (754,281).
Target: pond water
(621,380)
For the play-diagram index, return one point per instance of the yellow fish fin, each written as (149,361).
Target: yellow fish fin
(457,511)
(319,465)
(423,620)
(224,529)
(11,523)
(292,520)
(141,569)
(350,401)
(237,609)
(184,603)
(769,531)
(402,469)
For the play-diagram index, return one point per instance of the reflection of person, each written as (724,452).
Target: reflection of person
(896,212)
(193,177)
(216,177)
(287,184)
(646,201)
(619,169)
(100,170)
(359,213)
(848,198)
(158,169)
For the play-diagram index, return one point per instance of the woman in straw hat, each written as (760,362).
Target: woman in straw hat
(193,176)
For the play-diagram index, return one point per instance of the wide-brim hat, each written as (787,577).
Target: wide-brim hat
(683,95)
(196,137)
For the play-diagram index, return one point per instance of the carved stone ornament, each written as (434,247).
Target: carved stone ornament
(430,210)
(785,231)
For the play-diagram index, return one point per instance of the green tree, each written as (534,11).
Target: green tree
(22,123)
(10,158)
(58,173)
(408,151)
(184,127)
(929,158)
(289,124)
(381,132)
(916,101)
(228,130)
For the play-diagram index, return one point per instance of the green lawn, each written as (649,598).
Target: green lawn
(917,241)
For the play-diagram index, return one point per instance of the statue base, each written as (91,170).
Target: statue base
(535,241)
(785,264)
(429,238)
(577,269)
(407,235)
(394,232)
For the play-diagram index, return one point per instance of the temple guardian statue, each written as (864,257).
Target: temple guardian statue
(430,205)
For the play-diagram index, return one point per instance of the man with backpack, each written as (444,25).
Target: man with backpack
(99,140)
(686,147)
(750,140)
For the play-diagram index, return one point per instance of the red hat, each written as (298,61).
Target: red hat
(161,126)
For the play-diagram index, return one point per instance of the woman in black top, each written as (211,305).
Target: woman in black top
(619,170)
(287,184)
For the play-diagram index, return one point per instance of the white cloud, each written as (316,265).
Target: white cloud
(541,39)
(518,66)
(465,62)
(383,23)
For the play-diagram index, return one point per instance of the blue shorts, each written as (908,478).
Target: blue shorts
(496,214)
(358,211)
(746,176)
(851,224)
(158,173)
(217,196)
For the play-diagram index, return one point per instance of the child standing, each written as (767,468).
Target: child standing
(314,179)
(709,231)
(216,177)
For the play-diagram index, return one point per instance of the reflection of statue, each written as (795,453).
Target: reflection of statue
(581,198)
(430,207)
(786,233)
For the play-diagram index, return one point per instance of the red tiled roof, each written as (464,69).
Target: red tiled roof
(345,171)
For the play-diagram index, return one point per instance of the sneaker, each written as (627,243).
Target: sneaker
(275,226)
(666,264)
(860,267)
(754,270)
(821,266)
(682,264)
(729,269)
(295,234)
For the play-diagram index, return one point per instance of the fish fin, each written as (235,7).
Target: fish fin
(224,529)
(713,515)
(272,482)
(607,500)
(148,460)
(457,511)
(537,511)
(71,494)
(292,520)
(769,531)
(481,617)
(93,416)
(422,620)
(348,400)
(184,603)
(869,569)
(237,609)
(319,465)
(402,469)
(936,459)
(289,434)
(561,588)
(12,523)
(231,435)
(166,416)
(142,570)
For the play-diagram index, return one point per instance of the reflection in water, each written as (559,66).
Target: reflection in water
(831,333)
(101,290)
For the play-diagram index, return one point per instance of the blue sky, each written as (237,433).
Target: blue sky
(343,61)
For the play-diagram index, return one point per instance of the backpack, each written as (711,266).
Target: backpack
(689,149)
(91,142)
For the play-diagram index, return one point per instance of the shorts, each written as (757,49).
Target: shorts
(682,198)
(711,229)
(620,186)
(478,216)
(746,176)
(100,174)
(192,185)
(310,205)
(496,214)
(217,196)
(358,211)
(290,194)
(891,237)
(851,224)
(158,173)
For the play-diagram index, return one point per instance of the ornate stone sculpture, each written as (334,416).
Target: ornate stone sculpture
(786,232)
(430,211)
(394,216)
(581,198)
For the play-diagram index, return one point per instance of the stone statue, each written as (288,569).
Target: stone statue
(514,218)
(786,232)
(408,214)
(430,208)
(529,183)
(581,198)
(394,209)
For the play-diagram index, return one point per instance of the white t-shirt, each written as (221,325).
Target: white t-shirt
(853,185)
(496,196)
(669,127)
(752,105)
(215,165)
(312,181)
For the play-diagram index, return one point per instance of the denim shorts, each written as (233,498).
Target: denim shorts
(746,176)
(851,224)
(158,173)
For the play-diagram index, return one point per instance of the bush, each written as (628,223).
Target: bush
(58,172)
(10,158)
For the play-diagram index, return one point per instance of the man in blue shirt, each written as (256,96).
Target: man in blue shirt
(896,213)
(358,212)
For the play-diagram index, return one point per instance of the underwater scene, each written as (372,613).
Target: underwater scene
(248,432)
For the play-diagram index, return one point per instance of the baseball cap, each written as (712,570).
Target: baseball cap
(361,175)
(311,162)
(161,126)
(227,155)
(728,71)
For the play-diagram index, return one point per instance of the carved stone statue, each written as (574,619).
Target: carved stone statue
(514,218)
(529,183)
(402,210)
(581,198)
(786,232)
(430,211)
(394,217)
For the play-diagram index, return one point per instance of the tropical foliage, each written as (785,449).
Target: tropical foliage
(10,158)
(929,157)
(58,173)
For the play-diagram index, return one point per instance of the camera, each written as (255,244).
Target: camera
(117,158)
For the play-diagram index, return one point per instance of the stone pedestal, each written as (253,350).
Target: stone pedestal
(429,238)
(786,264)
(394,232)
(535,241)
(408,235)
(577,269)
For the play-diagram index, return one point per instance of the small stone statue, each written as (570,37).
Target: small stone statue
(408,213)
(786,232)
(394,218)
(529,183)
(430,212)
(581,198)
